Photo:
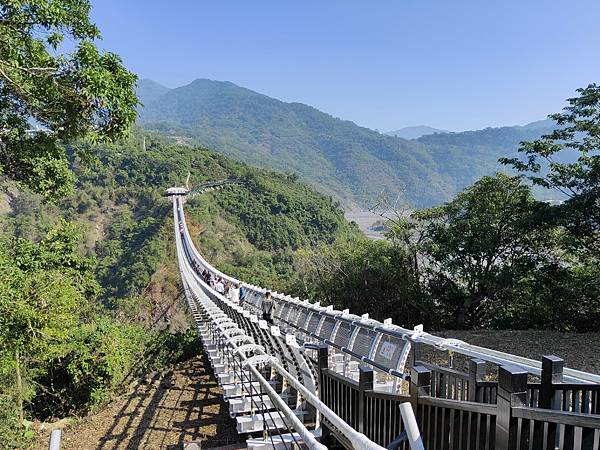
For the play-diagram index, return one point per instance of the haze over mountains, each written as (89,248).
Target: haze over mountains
(338,157)
(415,132)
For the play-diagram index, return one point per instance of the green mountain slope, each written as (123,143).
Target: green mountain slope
(251,229)
(338,157)
(149,90)
(468,155)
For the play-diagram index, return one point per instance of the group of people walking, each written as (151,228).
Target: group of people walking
(237,293)
(233,291)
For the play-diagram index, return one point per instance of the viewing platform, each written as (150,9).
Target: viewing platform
(176,191)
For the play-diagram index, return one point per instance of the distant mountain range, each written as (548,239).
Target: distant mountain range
(338,157)
(415,132)
(149,90)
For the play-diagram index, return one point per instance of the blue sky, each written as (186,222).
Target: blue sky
(450,64)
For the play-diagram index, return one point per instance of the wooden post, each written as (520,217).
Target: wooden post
(420,385)
(512,391)
(323,364)
(322,356)
(476,375)
(552,373)
(365,383)
(415,354)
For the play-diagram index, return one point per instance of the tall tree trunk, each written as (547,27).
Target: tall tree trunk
(466,308)
(19,388)
(461,316)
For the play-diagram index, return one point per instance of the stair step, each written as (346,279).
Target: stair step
(280,442)
(255,423)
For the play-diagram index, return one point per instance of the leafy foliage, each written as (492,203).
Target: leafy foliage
(82,93)
(579,180)
(480,243)
(365,276)
(61,353)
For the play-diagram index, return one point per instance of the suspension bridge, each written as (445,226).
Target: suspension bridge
(318,377)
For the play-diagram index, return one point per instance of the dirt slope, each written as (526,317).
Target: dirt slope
(182,405)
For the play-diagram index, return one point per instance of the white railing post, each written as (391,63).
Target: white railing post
(411,427)
(55,439)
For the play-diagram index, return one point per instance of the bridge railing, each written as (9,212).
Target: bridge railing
(550,392)
(384,346)
(447,423)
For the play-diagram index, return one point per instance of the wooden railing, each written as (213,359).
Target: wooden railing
(543,428)
(453,424)
(458,411)
(447,383)
(383,422)
(341,394)
(550,393)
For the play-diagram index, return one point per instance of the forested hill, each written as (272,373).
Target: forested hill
(127,222)
(336,156)
(149,90)
(466,156)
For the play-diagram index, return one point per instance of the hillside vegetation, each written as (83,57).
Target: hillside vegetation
(338,157)
(115,257)
(494,256)
(468,155)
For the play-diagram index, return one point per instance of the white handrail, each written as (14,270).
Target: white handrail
(411,427)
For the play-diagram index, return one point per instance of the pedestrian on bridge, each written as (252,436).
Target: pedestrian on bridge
(206,276)
(267,308)
(220,286)
(234,293)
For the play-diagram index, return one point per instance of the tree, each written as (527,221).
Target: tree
(364,276)
(44,288)
(545,164)
(84,93)
(477,245)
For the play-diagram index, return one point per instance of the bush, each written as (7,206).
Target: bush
(12,434)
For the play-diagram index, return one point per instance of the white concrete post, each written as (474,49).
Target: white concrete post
(411,427)
(55,439)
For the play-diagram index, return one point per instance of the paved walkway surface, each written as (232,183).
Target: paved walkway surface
(184,404)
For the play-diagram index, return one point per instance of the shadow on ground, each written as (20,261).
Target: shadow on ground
(184,404)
